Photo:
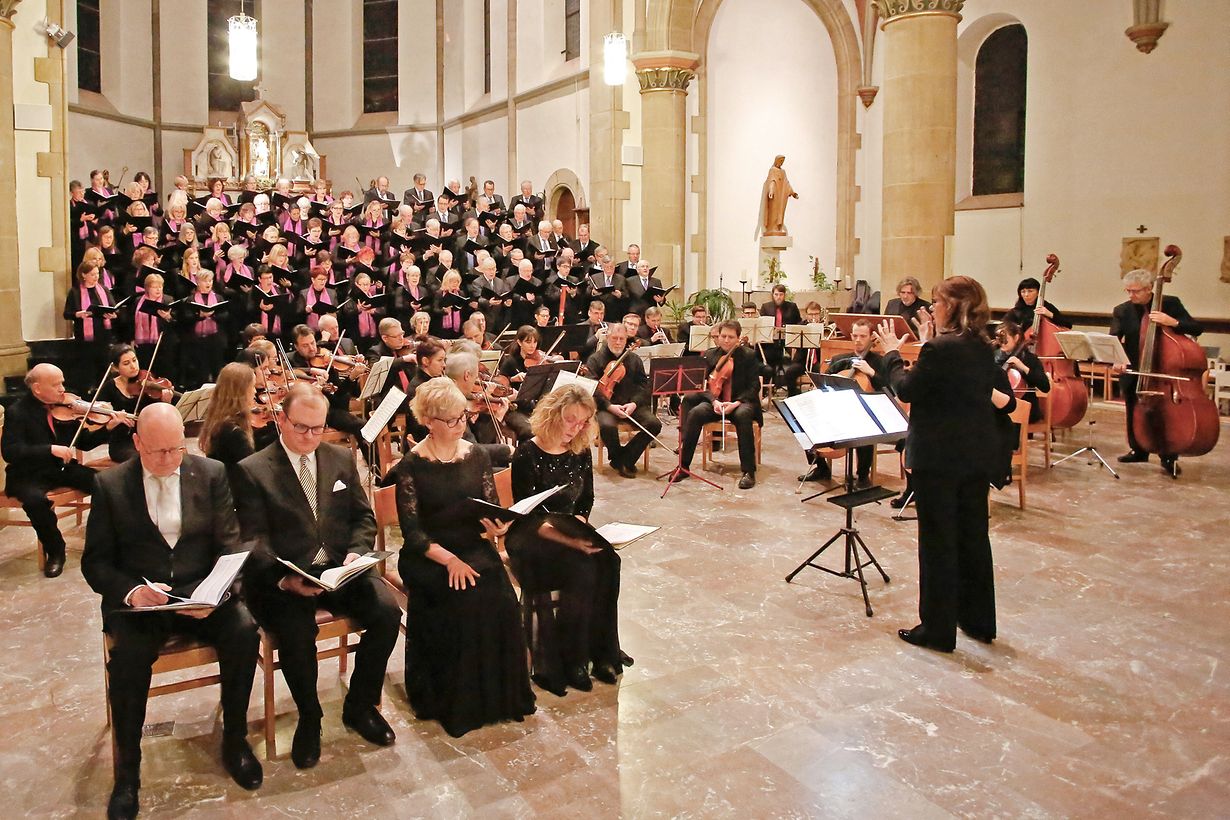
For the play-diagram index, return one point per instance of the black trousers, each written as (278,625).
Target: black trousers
(865,458)
(698,411)
(33,497)
(621,454)
(1127,388)
(955,576)
(291,620)
(341,419)
(138,638)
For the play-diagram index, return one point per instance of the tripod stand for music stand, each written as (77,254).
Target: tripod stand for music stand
(1091,450)
(676,377)
(854,563)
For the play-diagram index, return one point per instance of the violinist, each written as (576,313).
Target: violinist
(204,342)
(121,392)
(360,318)
(93,332)
(1026,375)
(733,394)
(36,445)
(867,366)
(330,337)
(1026,306)
(1126,323)
(521,355)
(420,324)
(623,393)
(338,387)
(227,433)
(487,417)
(472,331)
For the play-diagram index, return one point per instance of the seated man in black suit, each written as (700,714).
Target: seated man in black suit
(166,517)
(302,500)
(786,370)
(629,399)
(39,457)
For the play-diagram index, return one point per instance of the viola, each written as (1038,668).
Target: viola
(1174,416)
(341,363)
(74,408)
(724,370)
(262,415)
(615,371)
(151,386)
(1069,395)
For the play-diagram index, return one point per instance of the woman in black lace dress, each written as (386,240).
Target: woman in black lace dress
(465,654)
(551,551)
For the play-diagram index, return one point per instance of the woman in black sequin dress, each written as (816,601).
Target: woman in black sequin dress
(550,551)
(465,654)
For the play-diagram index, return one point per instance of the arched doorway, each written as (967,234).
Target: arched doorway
(565,210)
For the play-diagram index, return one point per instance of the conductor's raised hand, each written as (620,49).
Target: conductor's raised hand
(888,339)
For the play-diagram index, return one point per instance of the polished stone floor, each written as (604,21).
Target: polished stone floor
(1106,694)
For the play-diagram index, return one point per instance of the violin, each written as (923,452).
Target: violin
(1174,416)
(1069,395)
(496,390)
(151,386)
(262,415)
(341,363)
(724,370)
(75,408)
(317,375)
(615,371)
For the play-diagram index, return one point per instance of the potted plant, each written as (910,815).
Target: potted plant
(821,283)
(717,301)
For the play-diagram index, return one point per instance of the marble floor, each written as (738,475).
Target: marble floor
(1106,694)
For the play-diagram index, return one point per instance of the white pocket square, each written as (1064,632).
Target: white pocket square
(338,485)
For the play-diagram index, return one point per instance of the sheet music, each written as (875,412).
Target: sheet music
(207,593)
(700,342)
(758,330)
(376,378)
(526,505)
(886,412)
(193,404)
(392,401)
(620,534)
(828,416)
(565,377)
(803,337)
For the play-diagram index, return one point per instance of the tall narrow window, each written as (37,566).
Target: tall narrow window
(226,94)
(486,46)
(572,29)
(999,113)
(379,55)
(89,47)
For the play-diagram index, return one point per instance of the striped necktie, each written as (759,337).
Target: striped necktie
(308,482)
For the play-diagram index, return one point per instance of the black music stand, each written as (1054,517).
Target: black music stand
(851,499)
(676,377)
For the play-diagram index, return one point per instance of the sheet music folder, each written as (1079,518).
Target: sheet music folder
(842,419)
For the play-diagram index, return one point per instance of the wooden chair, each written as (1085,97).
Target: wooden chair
(1221,389)
(65,501)
(1020,456)
(631,430)
(1043,428)
(384,505)
(179,653)
(714,429)
(503,487)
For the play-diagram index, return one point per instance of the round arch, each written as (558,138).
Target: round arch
(563,180)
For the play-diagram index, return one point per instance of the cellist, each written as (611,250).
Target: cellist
(626,396)
(1025,372)
(1126,323)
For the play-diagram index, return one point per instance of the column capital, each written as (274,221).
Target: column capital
(665,70)
(893,10)
(7,9)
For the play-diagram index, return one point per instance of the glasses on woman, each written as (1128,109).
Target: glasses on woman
(452,423)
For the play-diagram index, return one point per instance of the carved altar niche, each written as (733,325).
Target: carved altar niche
(1139,252)
(260,129)
(213,157)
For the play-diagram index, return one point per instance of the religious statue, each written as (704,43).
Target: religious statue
(218,164)
(773,198)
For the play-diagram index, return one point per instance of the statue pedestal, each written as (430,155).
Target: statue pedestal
(771,247)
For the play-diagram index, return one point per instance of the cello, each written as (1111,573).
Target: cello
(1174,416)
(1069,395)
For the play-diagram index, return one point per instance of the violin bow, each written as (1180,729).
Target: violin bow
(93,401)
(268,400)
(333,355)
(148,371)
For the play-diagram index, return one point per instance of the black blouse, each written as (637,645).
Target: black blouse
(535,470)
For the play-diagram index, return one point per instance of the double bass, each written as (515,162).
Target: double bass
(1174,416)
(1069,395)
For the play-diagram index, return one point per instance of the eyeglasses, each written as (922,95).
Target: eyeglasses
(304,429)
(452,423)
(166,452)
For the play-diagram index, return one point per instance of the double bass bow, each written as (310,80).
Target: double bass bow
(1173,416)
(1069,395)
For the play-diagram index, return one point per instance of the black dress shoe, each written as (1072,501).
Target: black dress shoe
(578,678)
(981,637)
(546,684)
(241,764)
(862,482)
(817,473)
(679,476)
(1132,457)
(54,566)
(625,659)
(605,672)
(899,502)
(305,748)
(370,725)
(916,637)
(123,804)
(1170,465)
(627,471)
(747,481)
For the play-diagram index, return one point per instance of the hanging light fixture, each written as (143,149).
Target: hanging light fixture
(614,58)
(242,33)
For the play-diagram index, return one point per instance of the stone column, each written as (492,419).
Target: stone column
(664,79)
(920,148)
(13,350)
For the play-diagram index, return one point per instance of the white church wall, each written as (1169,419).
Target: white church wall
(553,133)
(337,60)
(869,177)
(752,117)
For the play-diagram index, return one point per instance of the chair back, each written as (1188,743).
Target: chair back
(384,506)
(503,487)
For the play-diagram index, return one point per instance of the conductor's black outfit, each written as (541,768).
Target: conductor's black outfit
(951,450)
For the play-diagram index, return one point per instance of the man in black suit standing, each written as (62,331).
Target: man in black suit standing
(1125,323)
(532,203)
(167,517)
(784,312)
(302,500)
(40,458)
(615,299)
(639,282)
(584,247)
(737,399)
(628,267)
(494,200)
(418,197)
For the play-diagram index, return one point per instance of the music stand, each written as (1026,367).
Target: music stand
(1099,348)
(375,425)
(376,378)
(832,418)
(676,377)
(539,378)
(193,404)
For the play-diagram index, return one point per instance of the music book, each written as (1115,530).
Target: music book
(322,307)
(803,337)
(372,387)
(334,578)
(620,535)
(566,377)
(200,308)
(662,351)
(151,307)
(98,310)
(209,593)
(842,418)
(476,508)
(654,290)
(1080,346)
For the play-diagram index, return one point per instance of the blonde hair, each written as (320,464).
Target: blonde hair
(437,398)
(451,278)
(548,419)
